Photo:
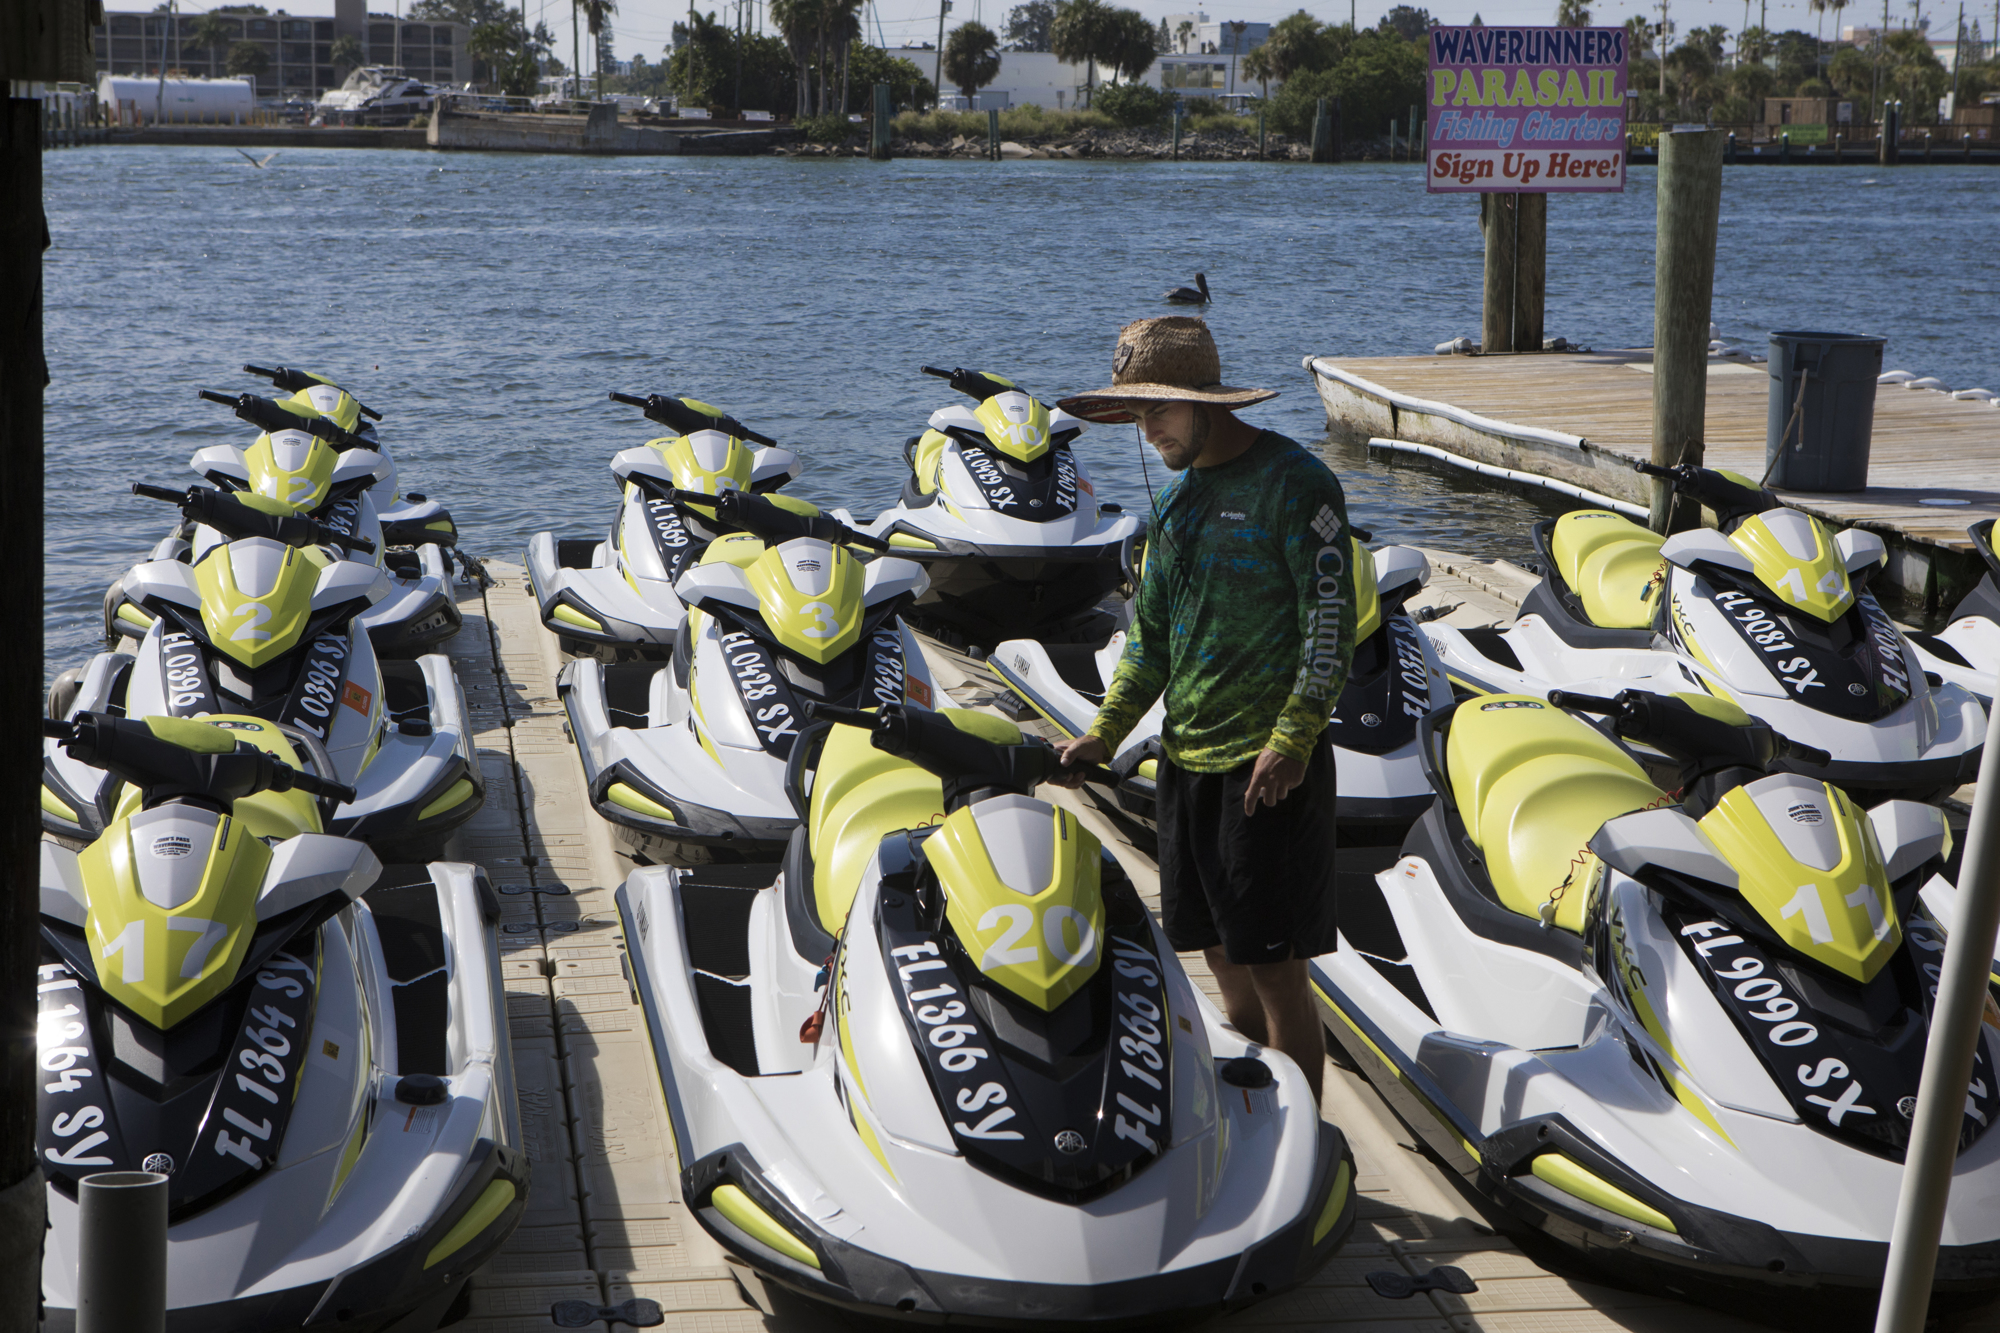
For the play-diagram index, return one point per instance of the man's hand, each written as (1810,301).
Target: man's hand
(1077,755)
(1271,781)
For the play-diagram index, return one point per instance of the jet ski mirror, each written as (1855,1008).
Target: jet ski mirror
(168,757)
(970,767)
(235,519)
(266,415)
(1731,500)
(291,381)
(681,414)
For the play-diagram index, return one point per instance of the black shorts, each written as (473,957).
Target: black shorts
(1260,885)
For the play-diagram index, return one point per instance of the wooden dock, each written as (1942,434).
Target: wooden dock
(605,1219)
(1585,418)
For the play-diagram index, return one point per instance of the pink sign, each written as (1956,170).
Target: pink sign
(1526,110)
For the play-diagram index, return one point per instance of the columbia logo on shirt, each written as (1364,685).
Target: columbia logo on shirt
(1234,516)
(1327,524)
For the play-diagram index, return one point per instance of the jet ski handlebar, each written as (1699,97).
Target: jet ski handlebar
(291,381)
(762,518)
(969,765)
(1729,499)
(678,414)
(266,415)
(1673,728)
(166,757)
(971,383)
(235,519)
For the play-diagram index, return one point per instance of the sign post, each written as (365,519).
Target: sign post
(1519,114)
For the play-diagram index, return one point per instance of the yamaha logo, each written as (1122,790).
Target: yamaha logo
(1907,1108)
(1857,689)
(1806,814)
(1370,720)
(158,1162)
(1070,1142)
(173,845)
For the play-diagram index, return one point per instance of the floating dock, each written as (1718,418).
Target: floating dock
(605,1221)
(1585,418)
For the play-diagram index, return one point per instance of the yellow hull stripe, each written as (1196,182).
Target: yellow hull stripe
(1552,1168)
(759,1225)
(1336,1199)
(480,1216)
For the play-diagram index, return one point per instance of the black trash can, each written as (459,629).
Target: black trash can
(1822,409)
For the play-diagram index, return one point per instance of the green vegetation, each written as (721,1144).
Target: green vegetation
(247,58)
(1134,105)
(1020,122)
(971,58)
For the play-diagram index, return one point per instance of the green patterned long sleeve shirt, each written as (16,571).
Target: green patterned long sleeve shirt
(1245,616)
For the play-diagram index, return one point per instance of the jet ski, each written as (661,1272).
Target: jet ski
(1772,613)
(687,759)
(267,621)
(311,458)
(1966,652)
(1395,680)
(614,599)
(323,1078)
(1004,514)
(1683,1038)
(942,1065)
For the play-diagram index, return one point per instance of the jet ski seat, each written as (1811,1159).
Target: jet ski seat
(1609,562)
(860,795)
(1534,785)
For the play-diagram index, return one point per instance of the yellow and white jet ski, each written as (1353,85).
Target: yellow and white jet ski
(687,759)
(942,1065)
(324,1078)
(1772,613)
(1680,1035)
(1004,513)
(614,599)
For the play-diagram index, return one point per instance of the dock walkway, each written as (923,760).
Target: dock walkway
(1585,418)
(606,1222)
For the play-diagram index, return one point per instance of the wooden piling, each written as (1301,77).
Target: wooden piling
(993,134)
(1326,130)
(1260,137)
(1177,131)
(878,138)
(1516,227)
(1689,202)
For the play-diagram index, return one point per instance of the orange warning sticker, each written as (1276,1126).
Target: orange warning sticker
(356,698)
(918,690)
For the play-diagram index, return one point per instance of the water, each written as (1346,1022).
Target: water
(487,303)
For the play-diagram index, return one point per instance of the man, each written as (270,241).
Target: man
(1245,619)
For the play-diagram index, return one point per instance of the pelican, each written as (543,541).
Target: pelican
(1189,295)
(260,165)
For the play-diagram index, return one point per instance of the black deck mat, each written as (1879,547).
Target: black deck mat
(743,875)
(716,918)
(405,905)
(628,688)
(725,1020)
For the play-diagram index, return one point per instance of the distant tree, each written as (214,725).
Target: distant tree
(1639,39)
(1572,14)
(491,46)
(1851,73)
(471,13)
(348,55)
(1163,41)
(1477,22)
(1184,33)
(212,35)
(909,85)
(1257,65)
(1754,45)
(236,9)
(1302,42)
(1080,35)
(1028,25)
(1130,47)
(1379,76)
(971,58)
(1711,41)
(1411,23)
(247,58)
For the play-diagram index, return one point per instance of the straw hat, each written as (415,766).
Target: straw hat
(1170,359)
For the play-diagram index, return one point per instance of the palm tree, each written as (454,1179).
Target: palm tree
(1257,65)
(212,34)
(1129,46)
(1078,36)
(348,56)
(972,58)
(1184,33)
(1572,14)
(797,20)
(594,14)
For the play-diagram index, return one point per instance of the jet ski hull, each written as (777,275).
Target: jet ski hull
(940,1241)
(592,610)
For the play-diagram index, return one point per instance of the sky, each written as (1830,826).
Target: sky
(642,27)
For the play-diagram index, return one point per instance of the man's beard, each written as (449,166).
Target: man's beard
(1197,441)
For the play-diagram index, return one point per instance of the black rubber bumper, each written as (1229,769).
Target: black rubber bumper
(701,836)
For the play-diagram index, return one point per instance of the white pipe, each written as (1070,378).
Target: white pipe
(1570,489)
(1403,402)
(1956,1018)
